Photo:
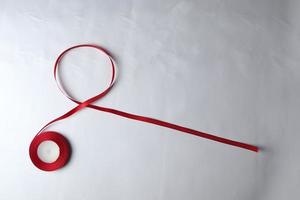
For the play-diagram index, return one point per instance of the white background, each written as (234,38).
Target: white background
(231,68)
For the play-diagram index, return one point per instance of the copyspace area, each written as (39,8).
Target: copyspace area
(231,68)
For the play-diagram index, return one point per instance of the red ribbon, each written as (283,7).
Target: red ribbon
(64,150)
(59,139)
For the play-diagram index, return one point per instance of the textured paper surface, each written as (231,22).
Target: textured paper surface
(230,68)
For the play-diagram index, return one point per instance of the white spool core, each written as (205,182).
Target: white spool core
(48,151)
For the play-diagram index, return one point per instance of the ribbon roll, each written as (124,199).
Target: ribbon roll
(62,142)
(64,151)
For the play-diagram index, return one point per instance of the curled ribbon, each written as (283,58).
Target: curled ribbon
(63,142)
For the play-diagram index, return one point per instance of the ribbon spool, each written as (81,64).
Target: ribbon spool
(63,143)
(64,150)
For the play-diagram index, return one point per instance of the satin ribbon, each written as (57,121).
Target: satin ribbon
(64,150)
(41,136)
